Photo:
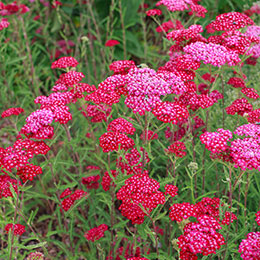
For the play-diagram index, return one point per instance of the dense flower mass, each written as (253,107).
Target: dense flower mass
(144,88)
(18,229)
(12,111)
(249,247)
(169,112)
(153,12)
(210,53)
(111,43)
(139,189)
(177,148)
(200,238)
(64,62)
(4,23)
(5,183)
(68,198)
(229,21)
(216,142)
(96,233)
(110,141)
(121,125)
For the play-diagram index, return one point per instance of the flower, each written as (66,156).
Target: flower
(96,233)
(169,112)
(12,111)
(211,53)
(18,229)
(139,189)
(171,190)
(64,62)
(177,149)
(111,43)
(249,247)
(229,21)
(91,182)
(153,12)
(35,256)
(121,125)
(70,197)
(110,141)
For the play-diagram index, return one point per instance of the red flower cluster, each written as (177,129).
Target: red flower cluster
(4,23)
(70,197)
(18,229)
(97,112)
(169,112)
(153,12)
(172,190)
(91,182)
(122,66)
(107,181)
(229,21)
(236,82)
(177,149)
(64,62)
(12,8)
(96,233)
(111,43)
(139,189)
(200,238)
(239,106)
(12,111)
(111,141)
(5,183)
(121,125)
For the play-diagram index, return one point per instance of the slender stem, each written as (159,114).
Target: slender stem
(204,155)
(223,102)
(14,222)
(123,27)
(246,192)
(230,202)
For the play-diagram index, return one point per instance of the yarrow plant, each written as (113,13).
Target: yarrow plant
(124,145)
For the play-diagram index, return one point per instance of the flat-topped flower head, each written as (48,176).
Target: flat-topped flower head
(145,87)
(96,233)
(18,229)
(229,21)
(111,141)
(216,142)
(12,111)
(153,12)
(169,112)
(64,62)
(210,53)
(139,189)
(4,24)
(111,43)
(121,125)
(239,106)
(121,66)
(249,247)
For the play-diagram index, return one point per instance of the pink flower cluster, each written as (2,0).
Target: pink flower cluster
(216,142)
(249,247)
(181,5)
(213,54)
